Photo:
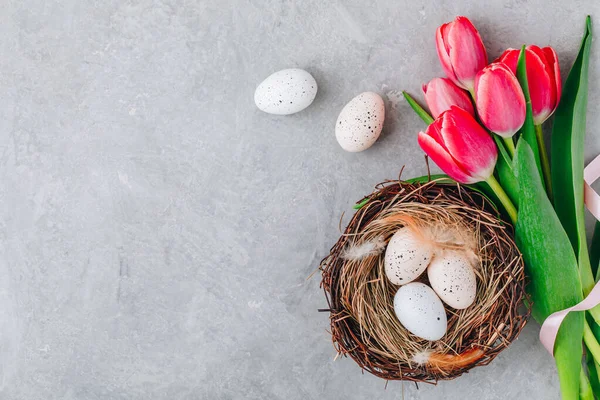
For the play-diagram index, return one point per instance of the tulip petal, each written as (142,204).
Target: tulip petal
(470,145)
(510,57)
(442,51)
(542,88)
(552,59)
(442,93)
(433,131)
(443,159)
(500,100)
(466,51)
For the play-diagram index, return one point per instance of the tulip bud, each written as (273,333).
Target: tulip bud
(543,78)
(461,51)
(499,99)
(441,93)
(460,146)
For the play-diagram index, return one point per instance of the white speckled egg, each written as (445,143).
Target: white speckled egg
(420,311)
(286,92)
(453,279)
(359,124)
(406,258)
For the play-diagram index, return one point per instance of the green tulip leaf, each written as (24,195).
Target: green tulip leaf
(551,267)
(361,204)
(428,119)
(481,187)
(568,145)
(441,178)
(428,178)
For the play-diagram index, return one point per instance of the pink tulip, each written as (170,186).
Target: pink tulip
(441,93)
(460,146)
(499,99)
(461,51)
(543,77)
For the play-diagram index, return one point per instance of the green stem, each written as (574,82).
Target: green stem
(585,271)
(428,119)
(595,314)
(544,159)
(590,341)
(585,389)
(593,369)
(592,363)
(595,251)
(510,145)
(503,197)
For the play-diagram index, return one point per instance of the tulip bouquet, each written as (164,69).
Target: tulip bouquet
(485,130)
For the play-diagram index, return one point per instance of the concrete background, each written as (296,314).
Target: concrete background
(157,230)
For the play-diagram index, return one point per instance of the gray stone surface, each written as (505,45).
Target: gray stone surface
(157,230)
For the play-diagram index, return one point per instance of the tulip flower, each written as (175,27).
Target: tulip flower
(464,150)
(543,77)
(461,51)
(441,93)
(460,146)
(500,101)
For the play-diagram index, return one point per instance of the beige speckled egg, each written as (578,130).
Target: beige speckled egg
(453,279)
(420,311)
(406,258)
(360,122)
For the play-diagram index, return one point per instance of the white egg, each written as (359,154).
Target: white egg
(453,279)
(359,124)
(286,92)
(406,258)
(420,311)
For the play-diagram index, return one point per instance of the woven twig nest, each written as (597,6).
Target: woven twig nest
(360,297)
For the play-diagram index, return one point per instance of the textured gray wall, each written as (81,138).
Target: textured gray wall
(157,230)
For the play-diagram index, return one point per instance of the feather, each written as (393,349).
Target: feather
(446,363)
(440,236)
(357,251)
(422,357)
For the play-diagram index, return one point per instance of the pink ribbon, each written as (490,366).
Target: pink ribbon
(551,325)
(590,174)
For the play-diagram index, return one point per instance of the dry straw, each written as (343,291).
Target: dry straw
(360,297)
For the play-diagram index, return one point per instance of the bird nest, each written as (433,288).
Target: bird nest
(361,298)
